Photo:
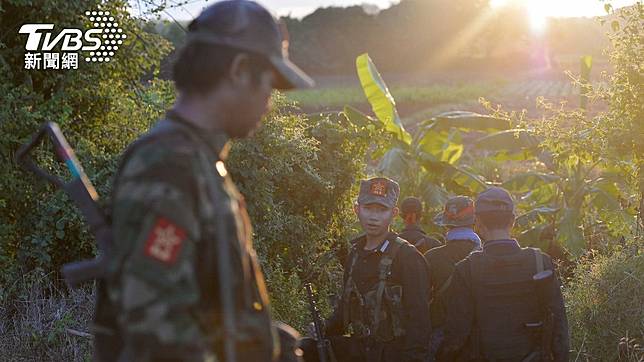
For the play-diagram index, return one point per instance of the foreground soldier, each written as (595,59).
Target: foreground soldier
(461,239)
(185,279)
(411,211)
(384,300)
(505,302)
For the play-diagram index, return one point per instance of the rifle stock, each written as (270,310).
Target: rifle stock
(82,193)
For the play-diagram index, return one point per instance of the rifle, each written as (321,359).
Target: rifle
(325,353)
(84,196)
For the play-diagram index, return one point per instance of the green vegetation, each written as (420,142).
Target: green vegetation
(604,301)
(579,183)
(578,175)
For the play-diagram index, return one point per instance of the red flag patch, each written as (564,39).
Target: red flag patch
(378,188)
(165,241)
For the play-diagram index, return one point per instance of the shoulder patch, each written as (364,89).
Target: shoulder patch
(164,241)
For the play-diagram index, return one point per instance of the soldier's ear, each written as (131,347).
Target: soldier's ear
(395,211)
(356,207)
(240,69)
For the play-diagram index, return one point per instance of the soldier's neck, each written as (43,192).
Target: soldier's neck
(497,235)
(374,241)
(198,112)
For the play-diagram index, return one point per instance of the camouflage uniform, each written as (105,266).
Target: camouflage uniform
(183,279)
(170,189)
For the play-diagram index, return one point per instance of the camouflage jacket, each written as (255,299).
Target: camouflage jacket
(171,193)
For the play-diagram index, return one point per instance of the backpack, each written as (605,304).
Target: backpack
(507,302)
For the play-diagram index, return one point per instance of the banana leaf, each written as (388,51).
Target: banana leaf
(445,146)
(535,237)
(395,163)
(381,100)
(358,118)
(541,195)
(535,215)
(569,231)
(467,121)
(511,141)
(467,179)
(433,194)
(527,181)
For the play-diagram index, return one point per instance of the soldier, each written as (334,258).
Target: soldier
(505,302)
(461,239)
(184,278)
(411,211)
(384,299)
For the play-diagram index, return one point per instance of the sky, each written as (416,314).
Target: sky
(301,8)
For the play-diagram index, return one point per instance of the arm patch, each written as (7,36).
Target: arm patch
(164,241)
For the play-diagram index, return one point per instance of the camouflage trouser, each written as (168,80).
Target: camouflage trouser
(435,341)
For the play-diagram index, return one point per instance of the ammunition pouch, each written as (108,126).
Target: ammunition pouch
(378,313)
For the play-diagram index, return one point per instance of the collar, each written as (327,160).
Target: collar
(493,243)
(216,140)
(382,248)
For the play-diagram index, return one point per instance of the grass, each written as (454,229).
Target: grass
(604,305)
(40,321)
(337,97)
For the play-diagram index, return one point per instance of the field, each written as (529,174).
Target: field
(430,97)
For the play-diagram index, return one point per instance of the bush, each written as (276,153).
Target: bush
(604,301)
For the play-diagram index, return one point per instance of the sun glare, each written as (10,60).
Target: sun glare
(537,10)
(537,13)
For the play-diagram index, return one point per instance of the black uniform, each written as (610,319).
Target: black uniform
(493,301)
(418,238)
(409,271)
(441,262)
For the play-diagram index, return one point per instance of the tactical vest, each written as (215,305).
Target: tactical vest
(506,302)
(378,312)
(255,337)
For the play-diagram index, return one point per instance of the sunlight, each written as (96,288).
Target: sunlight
(537,13)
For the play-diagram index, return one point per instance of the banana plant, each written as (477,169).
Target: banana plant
(570,197)
(428,162)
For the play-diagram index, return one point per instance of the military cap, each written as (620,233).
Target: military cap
(411,205)
(459,211)
(494,199)
(379,190)
(248,26)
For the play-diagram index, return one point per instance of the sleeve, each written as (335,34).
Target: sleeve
(155,232)
(460,313)
(561,339)
(416,305)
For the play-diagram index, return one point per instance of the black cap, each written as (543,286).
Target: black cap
(494,199)
(411,205)
(379,190)
(459,211)
(248,26)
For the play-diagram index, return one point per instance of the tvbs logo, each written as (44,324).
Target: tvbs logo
(99,43)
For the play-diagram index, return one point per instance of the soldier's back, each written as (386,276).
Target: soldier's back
(506,301)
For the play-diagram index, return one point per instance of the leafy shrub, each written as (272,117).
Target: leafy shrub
(604,305)
(299,176)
